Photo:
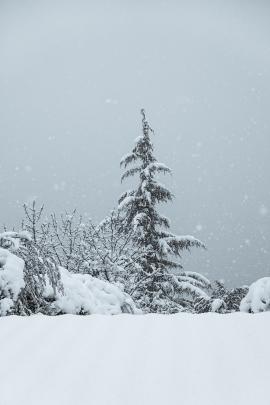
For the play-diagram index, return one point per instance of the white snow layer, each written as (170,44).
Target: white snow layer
(207,359)
(12,240)
(11,280)
(257,298)
(89,295)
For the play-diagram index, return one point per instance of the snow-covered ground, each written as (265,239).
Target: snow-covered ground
(185,359)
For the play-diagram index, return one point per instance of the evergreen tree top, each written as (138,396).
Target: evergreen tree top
(143,152)
(139,205)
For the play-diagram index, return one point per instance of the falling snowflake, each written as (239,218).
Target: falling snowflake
(28,168)
(111,101)
(263,210)
(59,186)
(245,199)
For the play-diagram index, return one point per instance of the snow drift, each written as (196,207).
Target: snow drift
(258,297)
(207,359)
(84,294)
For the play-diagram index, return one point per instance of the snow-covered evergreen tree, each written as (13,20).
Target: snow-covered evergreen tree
(234,298)
(221,299)
(160,284)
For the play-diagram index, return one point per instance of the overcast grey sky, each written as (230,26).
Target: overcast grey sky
(74,76)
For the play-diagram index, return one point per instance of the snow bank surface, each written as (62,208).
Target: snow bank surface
(258,297)
(207,359)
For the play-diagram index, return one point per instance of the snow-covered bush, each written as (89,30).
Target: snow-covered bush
(84,294)
(258,297)
(39,270)
(58,237)
(79,245)
(31,282)
(112,254)
(11,280)
(66,241)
